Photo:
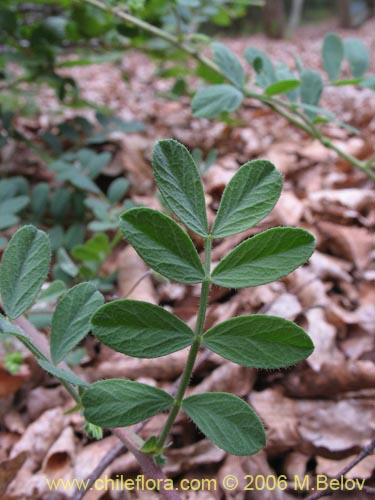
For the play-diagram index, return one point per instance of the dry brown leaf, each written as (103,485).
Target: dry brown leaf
(58,463)
(9,384)
(9,469)
(38,437)
(336,426)
(323,335)
(352,243)
(289,209)
(331,468)
(131,269)
(325,266)
(333,378)
(228,377)
(286,305)
(202,453)
(279,416)
(353,198)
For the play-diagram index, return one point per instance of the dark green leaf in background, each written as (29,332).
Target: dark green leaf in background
(266,257)
(227,421)
(248,197)
(71,319)
(179,182)
(282,87)
(140,329)
(162,244)
(23,270)
(259,341)
(210,102)
(121,402)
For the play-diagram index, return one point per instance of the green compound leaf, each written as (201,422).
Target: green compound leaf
(282,87)
(266,257)
(358,56)
(227,421)
(122,402)
(259,341)
(179,182)
(24,269)
(140,329)
(332,55)
(229,64)
(311,89)
(62,374)
(162,244)
(71,319)
(212,101)
(248,197)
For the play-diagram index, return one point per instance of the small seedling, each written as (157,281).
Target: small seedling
(144,330)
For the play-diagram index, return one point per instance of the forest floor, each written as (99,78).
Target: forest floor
(319,414)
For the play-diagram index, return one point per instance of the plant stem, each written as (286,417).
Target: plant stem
(188,370)
(304,123)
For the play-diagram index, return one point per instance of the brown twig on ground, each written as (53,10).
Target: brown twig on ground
(365,452)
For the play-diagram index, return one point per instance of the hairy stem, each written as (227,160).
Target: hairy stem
(185,379)
(292,115)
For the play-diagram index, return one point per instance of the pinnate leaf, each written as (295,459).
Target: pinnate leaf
(259,341)
(212,101)
(71,319)
(23,270)
(229,64)
(122,402)
(140,329)
(266,257)
(162,244)
(227,421)
(179,182)
(248,197)
(332,54)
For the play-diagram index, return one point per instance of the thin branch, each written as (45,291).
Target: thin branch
(365,452)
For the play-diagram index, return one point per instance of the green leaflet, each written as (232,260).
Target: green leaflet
(282,87)
(71,319)
(212,101)
(162,244)
(140,329)
(249,197)
(266,257)
(23,270)
(122,402)
(229,64)
(358,56)
(262,65)
(52,292)
(259,341)
(62,374)
(332,55)
(227,421)
(311,89)
(179,182)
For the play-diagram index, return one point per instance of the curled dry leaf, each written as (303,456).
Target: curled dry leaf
(364,469)
(286,306)
(289,209)
(38,438)
(58,463)
(202,453)
(9,384)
